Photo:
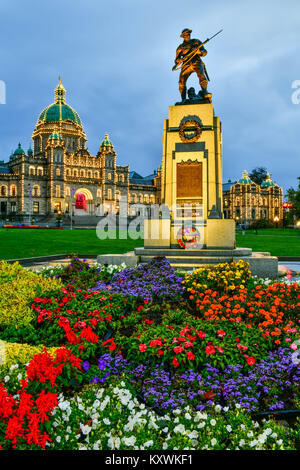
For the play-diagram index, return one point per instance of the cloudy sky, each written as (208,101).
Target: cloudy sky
(115,59)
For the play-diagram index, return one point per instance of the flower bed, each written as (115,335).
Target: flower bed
(147,358)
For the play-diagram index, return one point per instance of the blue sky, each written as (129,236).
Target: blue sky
(115,59)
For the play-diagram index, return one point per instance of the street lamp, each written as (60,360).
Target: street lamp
(276,220)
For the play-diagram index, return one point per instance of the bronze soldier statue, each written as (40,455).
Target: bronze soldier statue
(189,53)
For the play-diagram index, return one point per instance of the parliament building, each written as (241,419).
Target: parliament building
(59,174)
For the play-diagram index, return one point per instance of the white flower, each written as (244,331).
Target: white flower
(187,416)
(129,441)
(179,429)
(229,428)
(242,443)
(218,408)
(268,431)
(165,446)
(279,442)
(148,444)
(213,442)
(243,427)
(213,422)
(58,439)
(85,428)
(201,425)
(6,378)
(106,421)
(250,434)
(274,435)
(238,406)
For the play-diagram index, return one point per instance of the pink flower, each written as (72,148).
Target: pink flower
(221,333)
(294,347)
(142,347)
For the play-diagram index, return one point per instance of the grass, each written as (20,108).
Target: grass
(278,241)
(20,243)
(28,243)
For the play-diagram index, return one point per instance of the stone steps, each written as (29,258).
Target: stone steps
(205,252)
(192,260)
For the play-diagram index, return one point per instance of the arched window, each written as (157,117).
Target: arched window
(32,170)
(141,199)
(40,171)
(118,195)
(13,190)
(68,191)
(276,202)
(68,172)
(75,173)
(3,190)
(109,194)
(57,171)
(109,176)
(237,201)
(146,198)
(134,196)
(96,174)
(152,199)
(57,191)
(89,174)
(129,198)
(82,173)
(99,193)
(36,190)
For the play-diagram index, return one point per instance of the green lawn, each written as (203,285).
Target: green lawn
(26,243)
(279,242)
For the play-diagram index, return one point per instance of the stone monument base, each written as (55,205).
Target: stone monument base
(261,264)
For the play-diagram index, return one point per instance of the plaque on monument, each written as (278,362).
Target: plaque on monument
(189,179)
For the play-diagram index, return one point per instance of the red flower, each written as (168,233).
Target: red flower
(190,355)
(142,347)
(201,334)
(250,360)
(220,349)
(160,352)
(210,350)
(221,333)
(178,349)
(112,346)
(175,362)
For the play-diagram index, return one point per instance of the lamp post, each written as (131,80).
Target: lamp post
(276,220)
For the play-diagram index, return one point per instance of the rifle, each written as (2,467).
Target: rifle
(191,54)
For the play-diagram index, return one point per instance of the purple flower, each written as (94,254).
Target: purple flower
(86,365)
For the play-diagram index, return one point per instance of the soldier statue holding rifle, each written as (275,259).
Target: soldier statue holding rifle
(188,58)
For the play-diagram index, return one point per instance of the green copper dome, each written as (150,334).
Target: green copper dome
(19,150)
(106,142)
(245,178)
(268,182)
(59,111)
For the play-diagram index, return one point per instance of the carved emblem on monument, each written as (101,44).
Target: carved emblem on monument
(190,131)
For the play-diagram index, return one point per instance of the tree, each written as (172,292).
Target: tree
(258,174)
(293,196)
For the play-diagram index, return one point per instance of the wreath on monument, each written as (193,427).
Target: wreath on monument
(188,238)
(187,125)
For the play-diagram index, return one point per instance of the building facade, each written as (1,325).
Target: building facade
(59,174)
(248,202)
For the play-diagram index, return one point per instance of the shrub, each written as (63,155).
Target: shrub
(18,287)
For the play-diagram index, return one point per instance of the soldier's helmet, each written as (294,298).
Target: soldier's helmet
(184,31)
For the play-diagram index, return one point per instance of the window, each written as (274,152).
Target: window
(68,191)
(82,173)
(75,173)
(13,190)
(253,214)
(96,174)
(36,190)
(57,191)
(32,170)
(99,193)
(40,171)
(68,172)
(141,198)
(13,206)
(89,174)
(118,195)
(152,199)
(146,199)
(57,171)
(109,194)
(109,176)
